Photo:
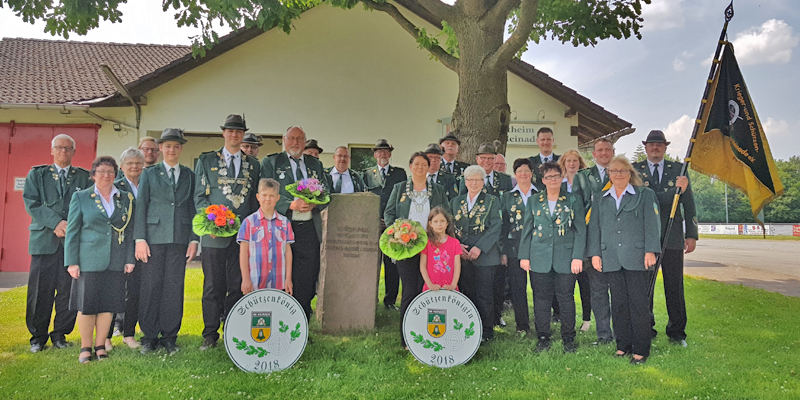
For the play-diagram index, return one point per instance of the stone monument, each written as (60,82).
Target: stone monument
(348,284)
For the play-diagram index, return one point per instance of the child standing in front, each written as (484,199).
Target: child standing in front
(440,261)
(265,257)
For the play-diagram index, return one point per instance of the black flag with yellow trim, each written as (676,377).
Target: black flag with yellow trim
(730,143)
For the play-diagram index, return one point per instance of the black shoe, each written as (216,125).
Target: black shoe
(679,342)
(171,348)
(85,360)
(485,340)
(570,347)
(101,357)
(391,307)
(639,361)
(147,347)
(602,342)
(37,347)
(502,322)
(62,344)
(208,343)
(543,345)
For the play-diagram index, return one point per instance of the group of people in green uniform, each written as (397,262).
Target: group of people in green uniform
(106,242)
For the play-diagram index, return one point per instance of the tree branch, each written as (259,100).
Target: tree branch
(438,52)
(442,11)
(502,9)
(527,16)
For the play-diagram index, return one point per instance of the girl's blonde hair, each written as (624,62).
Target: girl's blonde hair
(636,179)
(450,231)
(563,159)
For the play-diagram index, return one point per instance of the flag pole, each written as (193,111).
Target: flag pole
(687,159)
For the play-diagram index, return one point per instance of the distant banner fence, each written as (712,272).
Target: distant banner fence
(750,229)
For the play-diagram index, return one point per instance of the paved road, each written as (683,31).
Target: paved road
(772,265)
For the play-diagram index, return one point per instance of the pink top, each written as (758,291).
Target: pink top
(441,261)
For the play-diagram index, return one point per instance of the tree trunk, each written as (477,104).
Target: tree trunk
(482,111)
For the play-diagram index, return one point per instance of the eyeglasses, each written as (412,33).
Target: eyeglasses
(62,148)
(618,171)
(473,180)
(149,150)
(133,163)
(105,172)
(551,177)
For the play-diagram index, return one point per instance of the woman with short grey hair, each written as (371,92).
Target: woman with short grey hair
(476,216)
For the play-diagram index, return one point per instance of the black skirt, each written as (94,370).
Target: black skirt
(98,292)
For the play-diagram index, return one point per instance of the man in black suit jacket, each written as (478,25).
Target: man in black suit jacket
(436,175)
(342,179)
(450,145)
(663,177)
(380,180)
(544,138)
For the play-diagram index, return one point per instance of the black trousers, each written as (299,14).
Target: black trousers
(222,285)
(672,271)
(584,287)
(132,293)
(545,286)
(629,310)
(477,283)
(408,270)
(499,292)
(161,305)
(305,263)
(518,281)
(49,282)
(391,280)
(601,302)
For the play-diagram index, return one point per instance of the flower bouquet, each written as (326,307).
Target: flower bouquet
(216,220)
(310,190)
(403,239)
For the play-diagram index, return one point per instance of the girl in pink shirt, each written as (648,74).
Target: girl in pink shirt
(440,261)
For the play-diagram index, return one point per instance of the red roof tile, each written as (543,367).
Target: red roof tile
(58,71)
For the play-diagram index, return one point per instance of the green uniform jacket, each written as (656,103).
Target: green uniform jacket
(622,237)
(449,183)
(513,209)
(480,227)
(551,242)
(665,192)
(376,184)
(91,241)
(210,184)
(278,167)
(591,185)
(355,176)
(164,214)
(47,206)
(458,168)
(501,183)
(537,176)
(399,204)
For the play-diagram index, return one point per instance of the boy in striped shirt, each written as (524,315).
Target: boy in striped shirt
(265,257)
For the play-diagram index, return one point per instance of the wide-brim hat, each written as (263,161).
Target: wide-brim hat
(235,122)
(450,136)
(486,148)
(383,144)
(171,135)
(656,136)
(252,139)
(312,144)
(433,148)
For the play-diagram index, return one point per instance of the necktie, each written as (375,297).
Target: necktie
(383,174)
(449,167)
(298,173)
(232,167)
(656,174)
(62,176)
(431,179)
(487,184)
(337,188)
(172,177)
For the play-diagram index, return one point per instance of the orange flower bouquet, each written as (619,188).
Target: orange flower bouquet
(403,239)
(216,220)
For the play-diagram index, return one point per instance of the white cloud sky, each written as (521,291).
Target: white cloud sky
(663,15)
(678,132)
(770,43)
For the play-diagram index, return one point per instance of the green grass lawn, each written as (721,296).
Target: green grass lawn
(743,344)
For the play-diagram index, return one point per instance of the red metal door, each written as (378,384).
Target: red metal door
(28,145)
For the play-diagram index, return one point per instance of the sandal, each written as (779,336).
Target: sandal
(85,360)
(101,357)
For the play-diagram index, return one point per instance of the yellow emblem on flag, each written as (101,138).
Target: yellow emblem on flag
(437,322)
(261,325)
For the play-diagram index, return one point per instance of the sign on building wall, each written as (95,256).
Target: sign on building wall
(519,133)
